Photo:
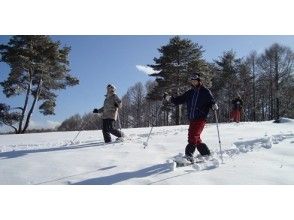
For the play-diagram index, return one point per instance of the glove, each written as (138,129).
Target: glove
(95,110)
(166,97)
(214,107)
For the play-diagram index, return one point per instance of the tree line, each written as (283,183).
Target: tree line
(264,81)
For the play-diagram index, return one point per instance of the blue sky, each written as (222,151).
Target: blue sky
(99,60)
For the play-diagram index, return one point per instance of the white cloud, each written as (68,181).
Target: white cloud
(146,69)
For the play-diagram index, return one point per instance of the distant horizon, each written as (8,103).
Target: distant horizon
(122,60)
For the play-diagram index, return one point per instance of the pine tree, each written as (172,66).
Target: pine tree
(38,68)
(178,60)
(225,78)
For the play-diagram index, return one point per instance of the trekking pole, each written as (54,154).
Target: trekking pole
(83,125)
(118,120)
(152,125)
(80,130)
(219,141)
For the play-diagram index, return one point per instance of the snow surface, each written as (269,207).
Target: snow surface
(253,152)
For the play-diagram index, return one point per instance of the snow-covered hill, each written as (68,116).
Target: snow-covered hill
(254,153)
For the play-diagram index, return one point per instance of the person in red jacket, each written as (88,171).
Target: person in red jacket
(237,108)
(198,100)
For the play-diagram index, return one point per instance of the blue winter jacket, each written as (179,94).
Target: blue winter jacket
(198,99)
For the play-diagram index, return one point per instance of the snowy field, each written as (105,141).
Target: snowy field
(253,152)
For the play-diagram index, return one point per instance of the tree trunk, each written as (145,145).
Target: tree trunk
(277,115)
(178,114)
(254,97)
(262,109)
(178,107)
(32,107)
(24,109)
(271,94)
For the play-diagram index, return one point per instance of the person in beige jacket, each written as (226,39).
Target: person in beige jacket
(110,114)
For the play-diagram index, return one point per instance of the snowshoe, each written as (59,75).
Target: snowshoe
(198,162)
(119,139)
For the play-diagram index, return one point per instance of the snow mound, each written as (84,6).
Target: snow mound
(250,145)
(286,120)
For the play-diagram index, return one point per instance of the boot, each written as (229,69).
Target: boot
(203,149)
(190,149)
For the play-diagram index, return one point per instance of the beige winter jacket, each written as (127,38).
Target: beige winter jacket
(110,108)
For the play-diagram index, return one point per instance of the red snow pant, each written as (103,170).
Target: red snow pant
(195,129)
(235,116)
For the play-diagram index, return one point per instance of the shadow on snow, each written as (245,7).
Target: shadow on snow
(120,177)
(19,153)
(74,175)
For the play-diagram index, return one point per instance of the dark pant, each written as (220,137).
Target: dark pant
(109,128)
(202,149)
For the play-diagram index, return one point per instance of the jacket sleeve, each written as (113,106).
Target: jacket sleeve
(100,110)
(179,99)
(117,102)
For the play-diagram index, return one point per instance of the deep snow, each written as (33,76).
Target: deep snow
(254,153)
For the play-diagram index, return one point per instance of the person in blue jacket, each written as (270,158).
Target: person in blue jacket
(198,100)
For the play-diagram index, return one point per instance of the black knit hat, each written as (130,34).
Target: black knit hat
(111,86)
(195,77)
